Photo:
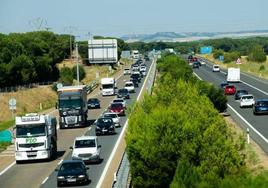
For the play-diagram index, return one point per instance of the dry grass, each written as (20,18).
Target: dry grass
(256,158)
(27,101)
(246,66)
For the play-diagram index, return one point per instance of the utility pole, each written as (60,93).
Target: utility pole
(77,63)
(70,46)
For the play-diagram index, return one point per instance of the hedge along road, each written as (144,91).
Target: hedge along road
(244,117)
(33,174)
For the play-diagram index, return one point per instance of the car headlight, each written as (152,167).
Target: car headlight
(81,176)
(112,126)
(64,113)
(60,177)
(98,128)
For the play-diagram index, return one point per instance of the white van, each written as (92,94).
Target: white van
(108,86)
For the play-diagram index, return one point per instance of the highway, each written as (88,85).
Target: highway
(246,119)
(42,174)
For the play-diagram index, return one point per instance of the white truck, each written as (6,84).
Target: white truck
(233,75)
(108,86)
(36,137)
(102,51)
(135,54)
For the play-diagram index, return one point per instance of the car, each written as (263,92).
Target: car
(195,65)
(246,101)
(135,82)
(120,100)
(135,68)
(127,71)
(117,108)
(239,93)
(93,103)
(114,116)
(229,90)
(260,106)
(223,85)
(136,75)
(72,172)
(130,87)
(123,93)
(104,125)
(142,68)
(86,148)
(215,68)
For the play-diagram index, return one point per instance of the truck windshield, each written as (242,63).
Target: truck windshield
(30,130)
(108,86)
(69,103)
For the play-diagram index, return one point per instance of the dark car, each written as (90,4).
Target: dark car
(123,93)
(72,172)
(93,103)
(260,106)
(223,85)
(117,108)
(104,125)
(239,93)
(196,65)
(136,75)
(135,82)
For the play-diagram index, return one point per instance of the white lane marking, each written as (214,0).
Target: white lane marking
(7,168)
(252,77)
(243,119)
(60,162)
(257,132)
(117,144)
(43,182)
(254,87)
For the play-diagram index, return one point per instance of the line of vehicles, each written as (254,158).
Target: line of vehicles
(36,135)
(260,106)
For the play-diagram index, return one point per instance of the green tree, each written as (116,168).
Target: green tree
(66,76)
(257,54)
(82,72)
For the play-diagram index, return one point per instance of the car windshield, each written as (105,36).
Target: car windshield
(129,85)
(110,115)
(123,91)
(262,103)
(108,86)
(242,91)
(116,105)
(71,166)
(126,69)
(30,130)
(93,100)
(90,143)
(229,87)
(118,100)
(216,66)
(247,97)
(103,122)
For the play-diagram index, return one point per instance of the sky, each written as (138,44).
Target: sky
(120,17)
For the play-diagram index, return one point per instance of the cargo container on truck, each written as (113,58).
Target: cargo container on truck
(233,75)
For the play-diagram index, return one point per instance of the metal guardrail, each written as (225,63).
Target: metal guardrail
(92,86)
(121,177)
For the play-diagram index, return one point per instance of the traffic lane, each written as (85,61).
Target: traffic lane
(107,143)
(14,176)
(259,122)
(252,80)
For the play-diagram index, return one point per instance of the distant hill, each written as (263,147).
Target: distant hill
(190,36)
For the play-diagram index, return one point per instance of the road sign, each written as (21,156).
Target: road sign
(12,104)
(238,61)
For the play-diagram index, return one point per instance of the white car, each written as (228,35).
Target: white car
(86,148)
(127,72)
(114,116)
(120,100)
(247,101)
(216,68)
(130,87)
(142,68)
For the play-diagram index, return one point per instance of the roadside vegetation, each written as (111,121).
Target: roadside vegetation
(176,137)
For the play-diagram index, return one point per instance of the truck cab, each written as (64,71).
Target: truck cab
(108,86)
(36,137)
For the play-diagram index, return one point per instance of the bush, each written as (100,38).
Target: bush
(217,53)
(262,68)
(66,76)
(231,56)
(82,72)
(257,54)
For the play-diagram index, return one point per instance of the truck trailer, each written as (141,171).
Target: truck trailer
(233,75)
(36,137)
(72,105)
